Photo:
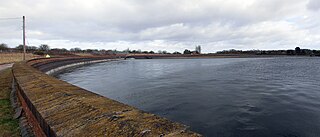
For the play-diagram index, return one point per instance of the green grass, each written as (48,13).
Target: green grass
(9,127)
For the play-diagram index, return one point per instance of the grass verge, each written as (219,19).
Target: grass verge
(9,127)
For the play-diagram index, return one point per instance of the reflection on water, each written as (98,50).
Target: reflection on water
(241,97)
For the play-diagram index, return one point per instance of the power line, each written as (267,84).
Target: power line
(15,18)
(23,32)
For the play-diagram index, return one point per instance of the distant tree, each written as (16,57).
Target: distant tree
(231,51)
(95,51)
(115,51)
(127,51)
(145,52)
(186,51)
(64,50)
(316,52)
(103,51)
(41,50)
(20,47)
(44,48)
(3,47)
(134,51)
(89,50)
(306,52)
(31,48)
(38,52)
(165,52)
(151,52)
(298,50)
(176,52)
(77,50)
(57,50)
(137,51)
(198,49)
(108,52)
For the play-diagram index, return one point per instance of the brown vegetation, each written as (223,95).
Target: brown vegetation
(83,54)
(15,57)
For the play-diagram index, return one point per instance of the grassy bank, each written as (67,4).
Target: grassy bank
(8,126)
(14,57)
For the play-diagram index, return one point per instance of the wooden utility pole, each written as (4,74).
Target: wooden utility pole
(24,37)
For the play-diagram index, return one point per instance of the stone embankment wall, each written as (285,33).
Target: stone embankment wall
(57,108)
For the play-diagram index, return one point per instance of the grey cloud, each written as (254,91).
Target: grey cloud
(216,24)
(314,5)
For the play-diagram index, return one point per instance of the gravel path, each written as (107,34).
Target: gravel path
(5,66)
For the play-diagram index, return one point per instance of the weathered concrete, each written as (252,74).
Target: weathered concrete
(61,68)
(61,109)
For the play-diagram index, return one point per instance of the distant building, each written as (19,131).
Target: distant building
(194,53)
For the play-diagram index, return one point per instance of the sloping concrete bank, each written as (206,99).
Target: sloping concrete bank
(57,108)
(58,69)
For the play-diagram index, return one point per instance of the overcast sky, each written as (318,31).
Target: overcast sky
(172,25)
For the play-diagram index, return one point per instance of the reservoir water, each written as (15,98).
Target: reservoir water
(227,97)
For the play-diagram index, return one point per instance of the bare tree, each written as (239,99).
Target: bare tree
(20,47)
(76,50)
(3,47)
(44,47)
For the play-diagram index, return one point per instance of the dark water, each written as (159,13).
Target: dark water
(242,97)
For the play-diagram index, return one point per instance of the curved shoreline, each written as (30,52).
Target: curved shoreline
(61,68)
(57,108)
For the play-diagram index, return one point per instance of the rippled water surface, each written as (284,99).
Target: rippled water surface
(234,97)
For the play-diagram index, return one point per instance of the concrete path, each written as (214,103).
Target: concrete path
(5,66)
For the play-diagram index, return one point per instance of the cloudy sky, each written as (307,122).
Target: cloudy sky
(172,25)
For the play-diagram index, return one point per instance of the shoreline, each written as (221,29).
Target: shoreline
(212,57)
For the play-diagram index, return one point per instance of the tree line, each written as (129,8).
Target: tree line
(41,49)
(296,51)
(45,49)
